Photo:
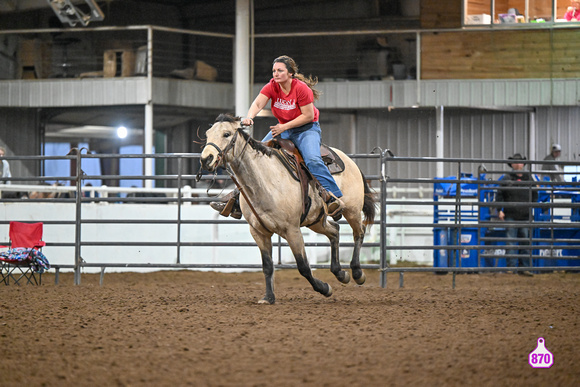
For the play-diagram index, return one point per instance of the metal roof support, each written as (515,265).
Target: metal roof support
(242,58)
(532,136)
(439,141)
(148,131)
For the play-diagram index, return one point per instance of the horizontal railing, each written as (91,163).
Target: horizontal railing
(474,238)
(94,52)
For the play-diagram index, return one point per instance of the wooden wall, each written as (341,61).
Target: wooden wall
(475,7)
(501,54)
(441,13)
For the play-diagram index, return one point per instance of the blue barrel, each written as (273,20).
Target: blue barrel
(559,248)
(495,247)
(440,238)
(466,236)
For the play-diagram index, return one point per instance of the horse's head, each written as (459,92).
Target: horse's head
(220,140)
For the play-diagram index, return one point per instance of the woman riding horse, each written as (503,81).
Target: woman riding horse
(292,96)
(272,202)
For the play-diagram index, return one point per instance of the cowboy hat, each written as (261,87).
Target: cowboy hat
(517,156)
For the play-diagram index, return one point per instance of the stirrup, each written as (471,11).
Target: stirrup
(229,206)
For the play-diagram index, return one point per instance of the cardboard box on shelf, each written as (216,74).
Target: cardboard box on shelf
(478,19)
(118,63)
(34,58)
(204,71)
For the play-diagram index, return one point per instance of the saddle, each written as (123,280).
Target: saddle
(291,158)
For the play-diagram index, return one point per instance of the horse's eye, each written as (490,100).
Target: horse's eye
(227,134)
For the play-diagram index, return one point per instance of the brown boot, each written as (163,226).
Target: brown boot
(229,205)
(334,205)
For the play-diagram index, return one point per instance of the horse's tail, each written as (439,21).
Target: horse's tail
(370,203)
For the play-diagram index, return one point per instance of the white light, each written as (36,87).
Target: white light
(121,132)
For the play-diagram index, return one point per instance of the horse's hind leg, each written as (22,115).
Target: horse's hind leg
(357,273)
(265,246)
(331,230)
(359,235)
(296,243)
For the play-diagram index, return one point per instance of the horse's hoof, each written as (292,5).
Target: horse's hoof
(329,292)
(265,301)
(346,278)
(361,280)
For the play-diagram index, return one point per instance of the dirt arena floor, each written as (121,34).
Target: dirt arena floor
(189,328)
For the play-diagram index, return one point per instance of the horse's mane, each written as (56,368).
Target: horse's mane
(253,143)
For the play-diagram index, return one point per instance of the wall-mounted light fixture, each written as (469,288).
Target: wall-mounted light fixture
(67,12)
(122,132)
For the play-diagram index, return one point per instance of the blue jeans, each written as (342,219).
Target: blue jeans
(516,232)
(307,140)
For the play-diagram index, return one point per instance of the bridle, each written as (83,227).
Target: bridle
(221,159)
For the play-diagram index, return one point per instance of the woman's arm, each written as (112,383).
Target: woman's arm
(306,117)
(256,107)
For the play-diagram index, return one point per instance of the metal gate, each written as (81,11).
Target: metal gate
(460,226)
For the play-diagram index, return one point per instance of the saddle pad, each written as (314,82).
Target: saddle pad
(331,159)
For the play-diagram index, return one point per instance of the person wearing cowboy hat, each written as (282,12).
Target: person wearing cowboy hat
(553,156)
(514,188)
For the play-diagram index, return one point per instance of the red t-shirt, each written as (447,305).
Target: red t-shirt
(574,14)
(287,107)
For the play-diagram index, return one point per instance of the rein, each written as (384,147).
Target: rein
(222,159)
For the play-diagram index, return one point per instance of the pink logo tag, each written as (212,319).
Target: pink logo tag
(541,357)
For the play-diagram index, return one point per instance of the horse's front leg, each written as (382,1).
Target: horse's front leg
(265,245)
(296,243)
(331,229)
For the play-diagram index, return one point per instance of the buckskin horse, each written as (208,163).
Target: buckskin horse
(272,200)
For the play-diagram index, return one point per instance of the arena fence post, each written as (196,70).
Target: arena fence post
(383,228)
(78,202)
